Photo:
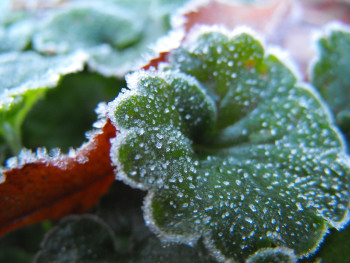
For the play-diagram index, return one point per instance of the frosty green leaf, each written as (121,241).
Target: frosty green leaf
(113,33)
(16,36)
(24,79)
(330,72)
(231,148)
(87,26)
(16,28)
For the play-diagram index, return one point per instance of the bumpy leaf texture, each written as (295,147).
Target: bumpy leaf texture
(231,148)
(40,186)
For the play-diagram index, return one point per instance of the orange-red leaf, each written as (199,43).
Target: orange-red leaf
(264,17)
(44,189)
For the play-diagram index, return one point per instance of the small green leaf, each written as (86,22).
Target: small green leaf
(24,79)
(78,239)
(330,72)
(232,149)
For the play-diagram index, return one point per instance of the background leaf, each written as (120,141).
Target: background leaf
(78,239)
(330,73)
(22,84)
(121,31)
(64,114)
(134,243)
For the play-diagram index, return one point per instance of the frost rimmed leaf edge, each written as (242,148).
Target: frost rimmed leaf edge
(148,215)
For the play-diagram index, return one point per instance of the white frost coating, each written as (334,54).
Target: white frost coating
(2,177)
(285,57)
(325,231)
(101,57)
(189,238)
(134,78)
(198,31)
(208,241)
(330,118)
(119,170)
(54,156)
(311,98)
(324,32)
(105,69)
(178,19)
(169,42)
(101,111)
(41,43)
(268,251)
(45,79)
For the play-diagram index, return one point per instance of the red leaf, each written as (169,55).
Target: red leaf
(264,17)
(154,63)
(44,189)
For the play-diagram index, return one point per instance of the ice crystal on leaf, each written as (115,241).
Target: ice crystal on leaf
(231,148)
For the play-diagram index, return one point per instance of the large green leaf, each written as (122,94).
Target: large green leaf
(232,149)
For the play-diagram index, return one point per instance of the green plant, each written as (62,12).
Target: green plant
(236,157)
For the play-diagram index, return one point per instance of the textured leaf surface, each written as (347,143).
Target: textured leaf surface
(231,148)
(38,187)
(24,78)
(330,73)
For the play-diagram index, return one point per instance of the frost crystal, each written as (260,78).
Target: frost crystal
(233,149)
